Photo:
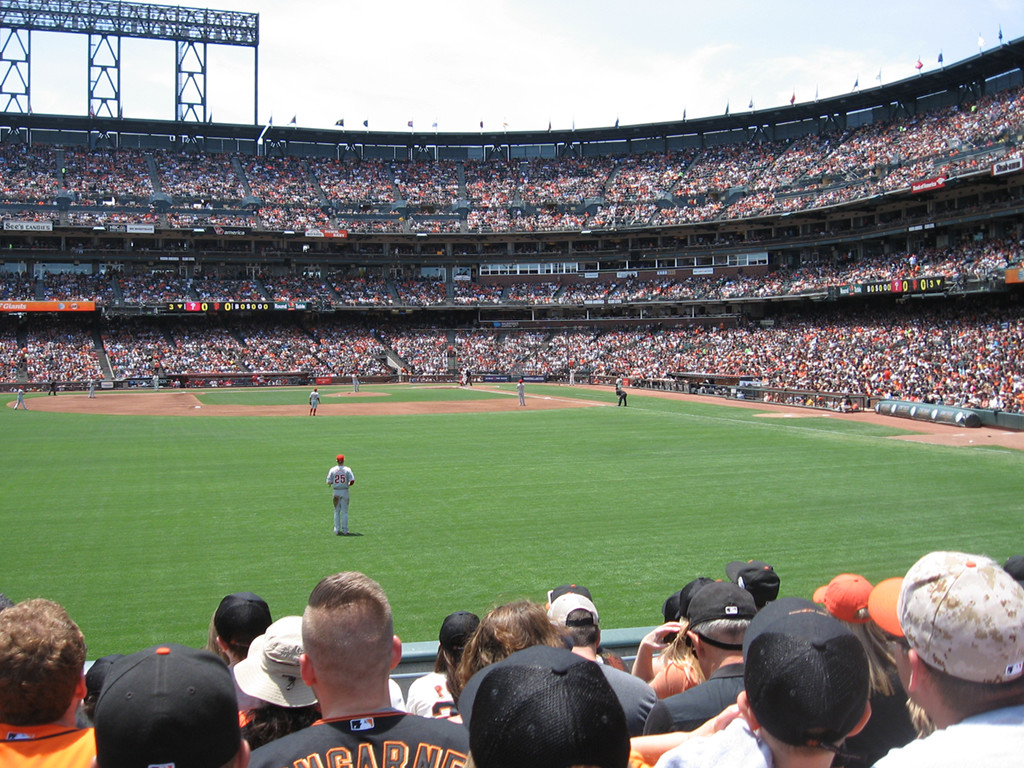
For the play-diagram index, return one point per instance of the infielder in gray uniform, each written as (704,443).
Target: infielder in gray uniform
(314,401)
(340,478)
(522,392)
(20,402)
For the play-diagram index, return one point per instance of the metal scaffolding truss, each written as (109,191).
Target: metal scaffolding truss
(106,22)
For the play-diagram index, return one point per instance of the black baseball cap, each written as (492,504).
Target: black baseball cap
(168,705)
(678,603)
(805,673)
(720,600)
(565,589)
(241,617)
(757,577)
(456,629)
(548,715)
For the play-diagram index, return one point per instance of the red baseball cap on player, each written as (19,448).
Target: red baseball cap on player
(341,458)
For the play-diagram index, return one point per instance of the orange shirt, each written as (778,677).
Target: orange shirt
(46,746)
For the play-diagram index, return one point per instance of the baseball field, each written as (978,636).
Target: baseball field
(139,510)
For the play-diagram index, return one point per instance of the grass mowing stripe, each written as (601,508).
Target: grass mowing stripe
(140,524)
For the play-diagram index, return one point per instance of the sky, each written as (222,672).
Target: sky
(527,64)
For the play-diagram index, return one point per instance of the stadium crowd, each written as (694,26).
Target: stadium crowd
(926,668)
(717,181)
(971,357)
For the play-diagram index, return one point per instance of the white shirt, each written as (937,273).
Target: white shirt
(993,738)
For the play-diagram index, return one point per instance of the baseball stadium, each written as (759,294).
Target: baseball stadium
(814,314)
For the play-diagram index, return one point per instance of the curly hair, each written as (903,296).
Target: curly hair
(42,657)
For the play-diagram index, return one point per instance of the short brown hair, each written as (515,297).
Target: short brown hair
(347,628)
(42,658)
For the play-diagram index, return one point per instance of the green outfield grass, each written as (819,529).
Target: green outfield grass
(139,525)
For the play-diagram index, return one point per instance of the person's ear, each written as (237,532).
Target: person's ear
(918,672)
(242,758)
(306,670)
(862,722)
(693,640)
(396,650)
(743,702)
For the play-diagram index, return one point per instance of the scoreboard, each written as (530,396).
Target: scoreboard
(234,306)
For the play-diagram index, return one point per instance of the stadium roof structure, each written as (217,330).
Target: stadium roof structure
(964,80)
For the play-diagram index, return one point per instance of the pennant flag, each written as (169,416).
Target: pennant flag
(271,120)
(293,120)
(410,123)
(1000,34)
(434,125)
(981,42)
(504,124)
(751,104)
(481,125)
(684,113)
(616,122)
(815,92)
(340,122)
(727,108)
(549,126)
(856,83)
(792,99)
(366,123)
(878,77)
(918,65)
(940,57)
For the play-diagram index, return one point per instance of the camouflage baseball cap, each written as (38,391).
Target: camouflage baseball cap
(962,614)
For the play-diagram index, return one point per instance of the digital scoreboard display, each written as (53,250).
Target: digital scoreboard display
(234,306)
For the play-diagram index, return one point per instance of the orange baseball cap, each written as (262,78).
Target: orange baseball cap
(882,605)
(846,597)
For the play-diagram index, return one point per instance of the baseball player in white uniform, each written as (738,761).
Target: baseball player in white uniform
(314,401)
(20,402)
(340,478)
(522,392)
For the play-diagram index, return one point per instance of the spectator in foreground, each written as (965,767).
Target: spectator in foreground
(42,659)
(579,618)
(554,711)
(94,680)
(270,674)
(675,669)
(503,631)
(719,615)
(350,650)
(169,706)
(240,618)
(957,634)
(429,695)
(846,598)
(805,691)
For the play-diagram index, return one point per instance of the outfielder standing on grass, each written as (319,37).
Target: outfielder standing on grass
(314,401)
(340,478)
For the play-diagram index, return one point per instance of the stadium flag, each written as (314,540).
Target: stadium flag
(940,57)
(366,123)
(792,99)
(918,65)
(410,123)
(616,121)
(340,123)
(878,77)
(815,92)
(481,125)
(684,113)
(504,124)
(1000,34)
(751,104)
(981,41)
(434,124)
(549,126)
(856,83)
(727,109)
(293,120)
